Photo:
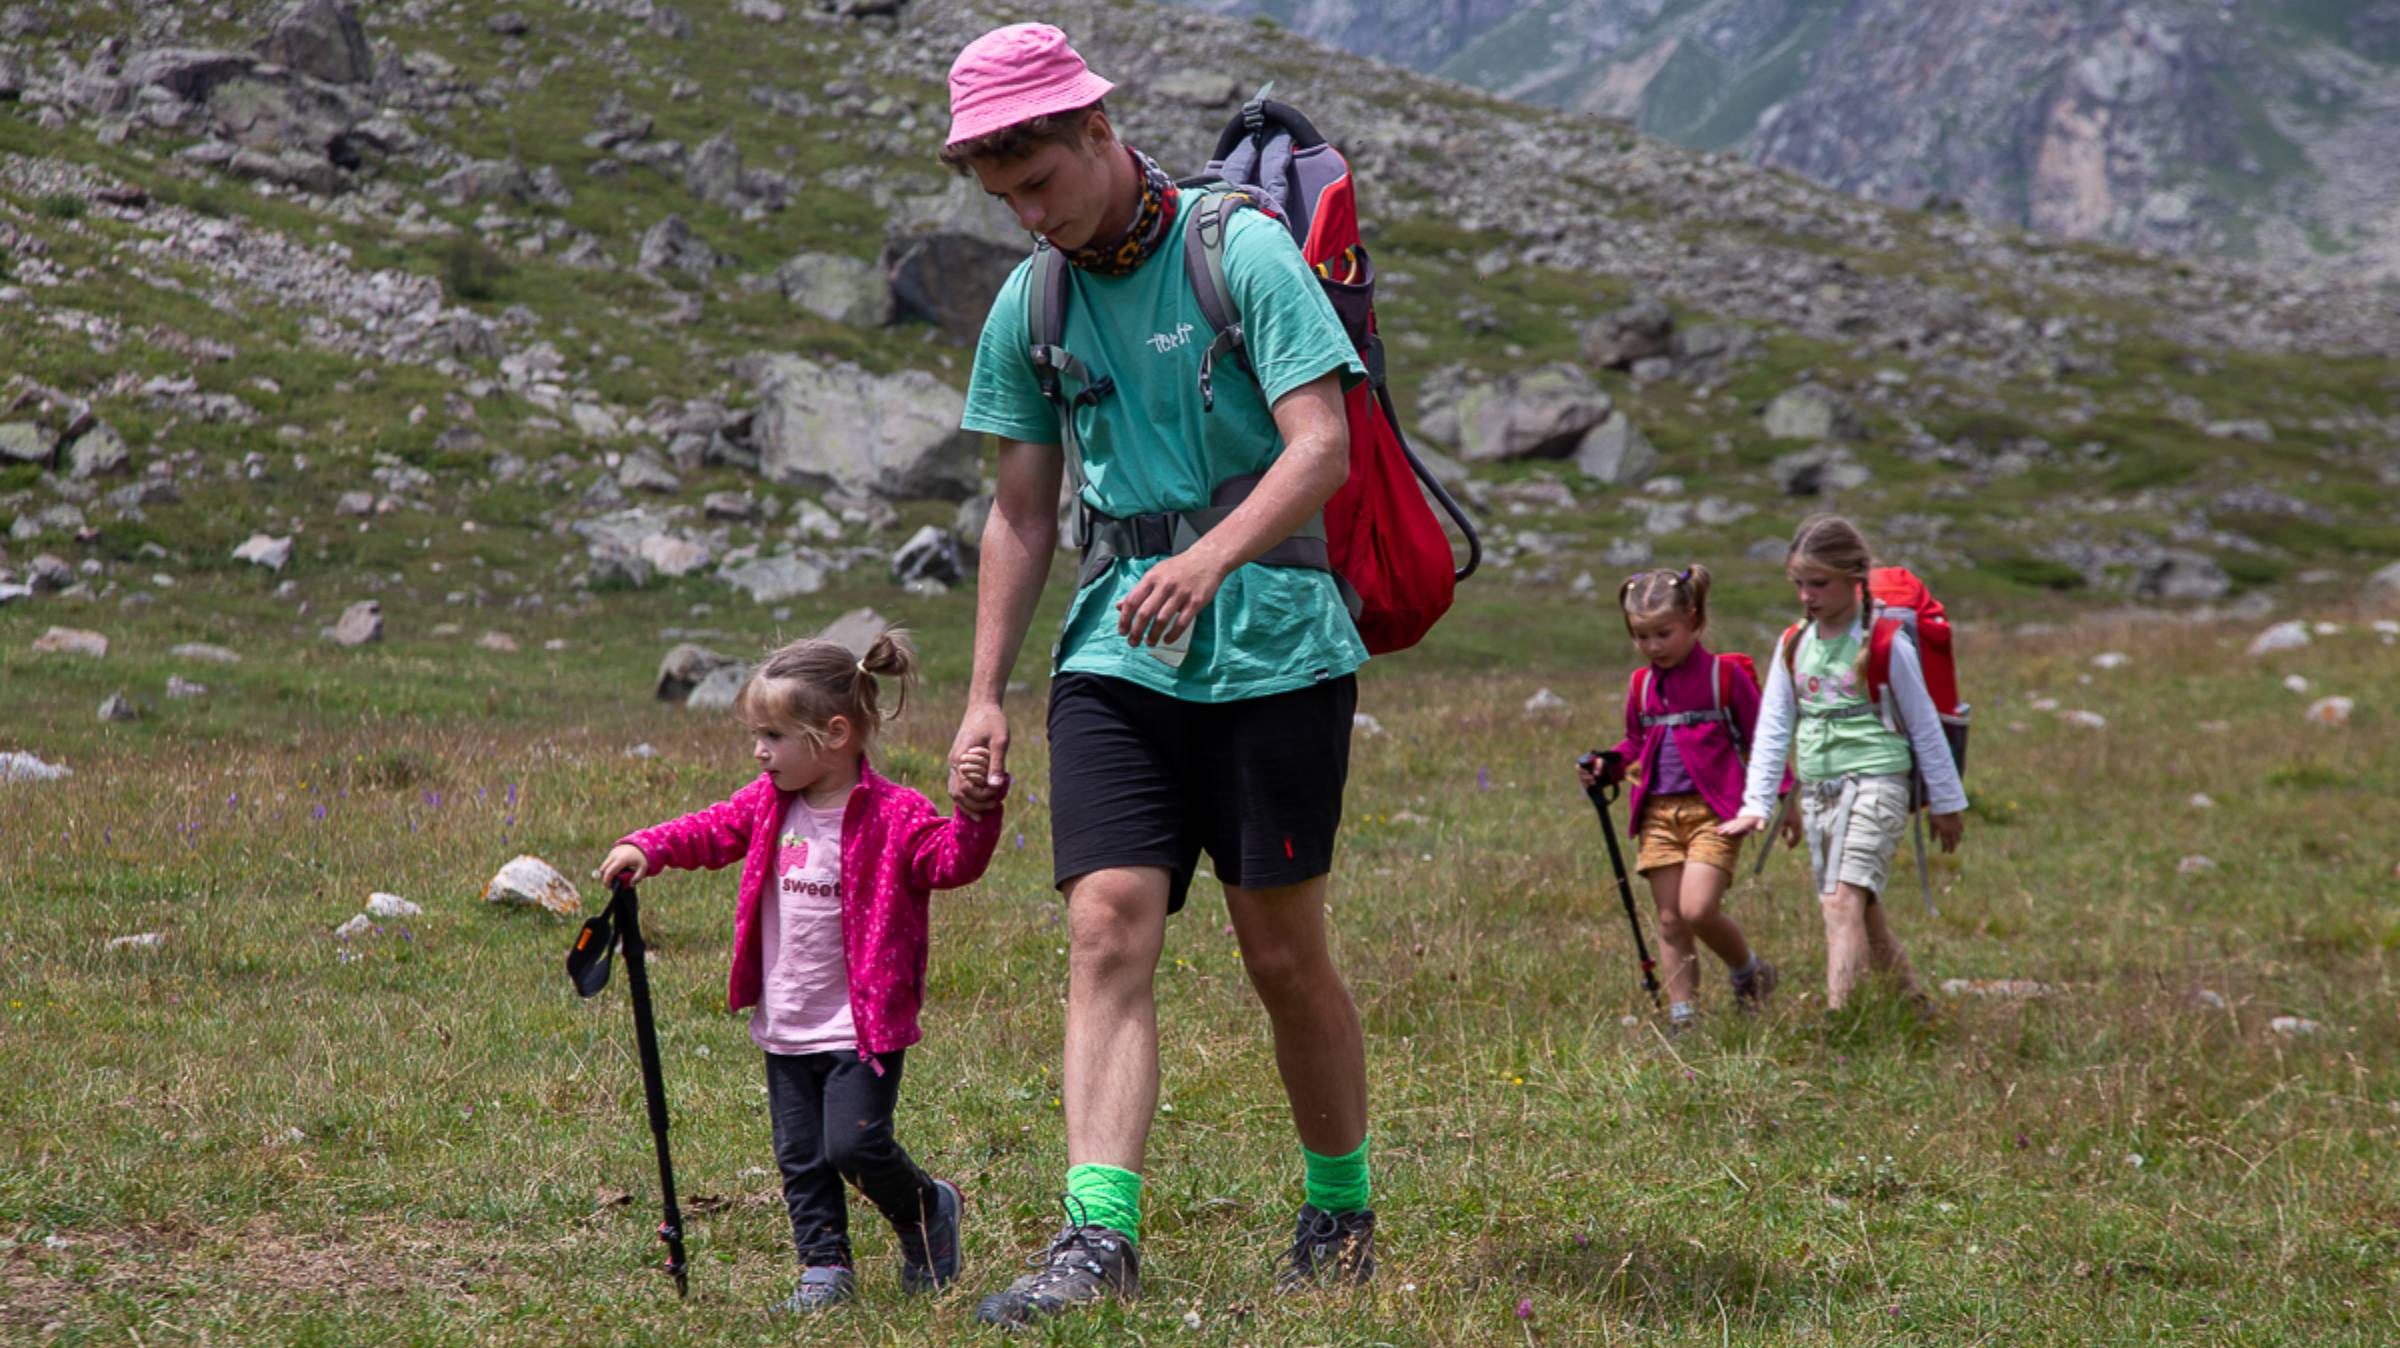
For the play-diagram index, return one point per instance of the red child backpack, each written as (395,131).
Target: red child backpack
(1904,604)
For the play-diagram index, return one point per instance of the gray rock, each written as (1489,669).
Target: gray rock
(671,245)
(842,289)
(948,253)
(1616,452)
(838,426)
(1198,88)
(200,650)
(717,690)
(1811,412)
(266,551)
(60,519)
(46,574)
(1706,353)
(486,180)
(1824,470)
(771,580)
(12,77)
(98,452)
(2183,576)
(191,74)
(1636,332)
(360,623)
(509,23)
(300,169)
(2256,432)
(119,707)
(322,40)
(645,471)
(973,514)
(16,766)
(670,22)
(354,503)
(614,566)
(674,556)
(2385,584)
(685,668)
(735,506)
(1540,413)
(931,553)
(856,630)
(71,641)
(27,442)
(714,172)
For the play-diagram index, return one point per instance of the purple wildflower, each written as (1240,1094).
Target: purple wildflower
(1483,779)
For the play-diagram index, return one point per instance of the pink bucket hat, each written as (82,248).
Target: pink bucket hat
(1015,74)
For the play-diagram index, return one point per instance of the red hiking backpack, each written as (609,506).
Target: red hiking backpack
(1903,605)
(1378,535)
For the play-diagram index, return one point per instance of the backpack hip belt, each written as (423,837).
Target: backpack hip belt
(1855,711)
(1109,538)
(1652,721)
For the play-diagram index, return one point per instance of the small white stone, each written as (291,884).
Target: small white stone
(2285,636)
(138,941)
(2134,1159)
(2089,720)
(2194,864)
(531,880)
(2202,801)
(2295,683)
(2331,711)
(392,905)
(2111,660)
(1544,702)
(1365,724)
(2294,1025)
(643,750)
(359,925)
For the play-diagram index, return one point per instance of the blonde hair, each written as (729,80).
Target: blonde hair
(802,686)
(1835,546)
(1684,592)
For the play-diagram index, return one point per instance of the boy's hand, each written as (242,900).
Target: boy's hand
(1791,828)
(1948,829)
(624,860)
(1741,826)
(972,789)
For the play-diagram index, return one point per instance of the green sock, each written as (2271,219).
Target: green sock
(1107,1196)
(1337,1184)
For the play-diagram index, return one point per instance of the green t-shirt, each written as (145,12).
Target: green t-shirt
(1826,678)
(1148,447)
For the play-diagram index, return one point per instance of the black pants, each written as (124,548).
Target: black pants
(833,1122)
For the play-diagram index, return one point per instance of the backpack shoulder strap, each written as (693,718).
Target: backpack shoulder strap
(1643,678)
(1054,367)
(1790,648)
(1879,655)
(1205,226)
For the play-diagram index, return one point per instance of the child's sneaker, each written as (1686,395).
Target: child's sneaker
(822,1287)
(929,1255)
(1752,989)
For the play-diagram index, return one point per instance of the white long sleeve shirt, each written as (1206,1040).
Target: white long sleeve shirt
(1918,722)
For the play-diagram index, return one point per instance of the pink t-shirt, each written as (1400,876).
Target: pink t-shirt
(804,1006)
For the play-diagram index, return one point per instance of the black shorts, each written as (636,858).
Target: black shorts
(1138,778)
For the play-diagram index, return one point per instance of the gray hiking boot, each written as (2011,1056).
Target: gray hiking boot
(929,1255)
(1752,991)
(1083,1264)
(821,1288)
(1329,1247)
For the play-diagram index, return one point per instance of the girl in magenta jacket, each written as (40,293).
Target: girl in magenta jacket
(829,942)
(1688,718)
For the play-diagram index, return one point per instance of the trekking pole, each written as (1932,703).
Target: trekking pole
(1602,795)
(587,964)
(1766,840)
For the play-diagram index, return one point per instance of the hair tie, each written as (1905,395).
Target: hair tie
(862,666)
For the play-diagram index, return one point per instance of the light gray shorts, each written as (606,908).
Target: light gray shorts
(1853,826)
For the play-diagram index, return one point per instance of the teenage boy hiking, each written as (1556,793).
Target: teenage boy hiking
(1203,680)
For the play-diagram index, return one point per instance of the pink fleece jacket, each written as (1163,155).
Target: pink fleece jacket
(1710,754)
(896,850)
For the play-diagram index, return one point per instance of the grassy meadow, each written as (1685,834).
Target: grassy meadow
(254,1132)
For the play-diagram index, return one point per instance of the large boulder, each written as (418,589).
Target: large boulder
(1812,412)
(191,74)
(1823,471)
(322,40)
(714,172)
(26,442)
(2183,576)
(948,253)
(1636,332)
(1616,452)
(276,112)
(843,289)
(685,668)
(670,244)
(838,426)
(98,452)
(1542,413)
(771,580)
(856,629)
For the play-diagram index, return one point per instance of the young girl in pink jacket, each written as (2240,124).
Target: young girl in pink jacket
(829,941)
(1688,719)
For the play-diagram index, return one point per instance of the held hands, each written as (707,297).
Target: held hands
(626,862)
(1168,597)
(1791,828)
(973,787)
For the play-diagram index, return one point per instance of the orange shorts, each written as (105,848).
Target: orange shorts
(1681,828)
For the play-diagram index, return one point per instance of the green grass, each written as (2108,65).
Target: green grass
(470,1163)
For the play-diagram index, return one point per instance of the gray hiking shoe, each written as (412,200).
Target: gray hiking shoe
(929,1255)
(1329,1247)
(1083,1264)
(1752,991)
(821,1288)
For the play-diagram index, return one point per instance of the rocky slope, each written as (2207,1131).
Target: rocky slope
(2255,131)
(594,294)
